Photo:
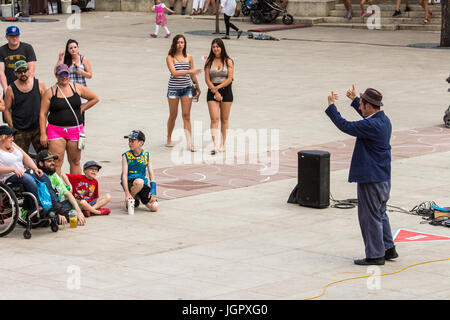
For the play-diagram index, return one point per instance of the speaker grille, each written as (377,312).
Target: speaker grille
(314,178)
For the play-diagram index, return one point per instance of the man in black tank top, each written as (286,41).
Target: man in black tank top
(23,105)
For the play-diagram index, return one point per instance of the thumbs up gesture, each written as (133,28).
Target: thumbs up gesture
(351,93)
(332,98)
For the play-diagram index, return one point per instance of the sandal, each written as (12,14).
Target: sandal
(425,21)
(103,212)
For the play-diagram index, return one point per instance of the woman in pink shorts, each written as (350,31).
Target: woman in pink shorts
(62,104)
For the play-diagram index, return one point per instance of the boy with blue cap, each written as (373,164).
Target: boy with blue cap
(136,164)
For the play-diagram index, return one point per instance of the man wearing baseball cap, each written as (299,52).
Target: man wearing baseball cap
(23,105)
(12,52)
(45,161)
(370,168)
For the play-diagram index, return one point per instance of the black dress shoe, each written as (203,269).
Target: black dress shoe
(390,254)
(369,262)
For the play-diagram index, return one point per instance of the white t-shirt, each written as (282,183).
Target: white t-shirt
(11,159)
(228,7)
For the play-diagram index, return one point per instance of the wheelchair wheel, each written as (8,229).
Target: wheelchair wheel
(27,234)
(288,19)
(9,210)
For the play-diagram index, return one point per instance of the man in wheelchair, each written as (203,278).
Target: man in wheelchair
(45,161)
(13,162)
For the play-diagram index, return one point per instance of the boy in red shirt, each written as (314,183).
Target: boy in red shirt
(85,190)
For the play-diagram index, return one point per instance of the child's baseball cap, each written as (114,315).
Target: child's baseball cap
(91,163)
(136,135)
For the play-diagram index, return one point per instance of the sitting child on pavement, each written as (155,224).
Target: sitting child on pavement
(46,162)
(85,190)
(135,166)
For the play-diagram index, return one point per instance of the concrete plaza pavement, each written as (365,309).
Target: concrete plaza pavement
(245,241)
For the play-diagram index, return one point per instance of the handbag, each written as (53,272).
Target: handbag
(81,136)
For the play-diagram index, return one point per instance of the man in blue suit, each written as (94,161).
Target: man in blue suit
(370,168)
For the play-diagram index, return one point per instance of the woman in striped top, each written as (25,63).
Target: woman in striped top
(80,67)
(181,67)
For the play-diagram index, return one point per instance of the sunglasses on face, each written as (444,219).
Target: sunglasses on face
(63,75)
(21,71)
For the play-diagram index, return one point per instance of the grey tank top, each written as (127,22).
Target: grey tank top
(217,76)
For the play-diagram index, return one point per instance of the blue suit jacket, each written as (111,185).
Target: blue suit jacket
(371,160)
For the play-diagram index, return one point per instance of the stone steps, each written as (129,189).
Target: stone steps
(390,7)
(387,27)
(411,20)
(389,21)
(387,14)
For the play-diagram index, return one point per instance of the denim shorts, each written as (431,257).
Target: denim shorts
(178,93)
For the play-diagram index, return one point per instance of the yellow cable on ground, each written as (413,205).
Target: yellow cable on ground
(367,276)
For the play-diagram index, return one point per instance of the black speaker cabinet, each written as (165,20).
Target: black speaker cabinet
(314,178)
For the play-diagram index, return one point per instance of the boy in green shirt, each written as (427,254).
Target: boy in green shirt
(46,162)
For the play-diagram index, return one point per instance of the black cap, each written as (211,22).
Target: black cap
(7,130)
(136,135)
(91,163)
(44,155)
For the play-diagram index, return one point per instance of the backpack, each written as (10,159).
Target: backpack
(44,195)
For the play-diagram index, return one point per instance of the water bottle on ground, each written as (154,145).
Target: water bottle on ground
(130,206)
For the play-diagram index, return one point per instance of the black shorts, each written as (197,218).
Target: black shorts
(226,92)
(143,194)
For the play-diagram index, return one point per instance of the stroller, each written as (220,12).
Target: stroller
(266,11)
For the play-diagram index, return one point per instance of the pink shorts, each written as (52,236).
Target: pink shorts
(70,133)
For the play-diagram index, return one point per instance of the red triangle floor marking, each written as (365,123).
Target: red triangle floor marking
(405,235)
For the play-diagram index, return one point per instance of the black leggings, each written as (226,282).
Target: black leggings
(228,24)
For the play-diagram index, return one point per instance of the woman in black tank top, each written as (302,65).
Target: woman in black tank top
(64,123)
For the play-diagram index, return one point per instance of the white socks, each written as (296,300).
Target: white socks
(157,29)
